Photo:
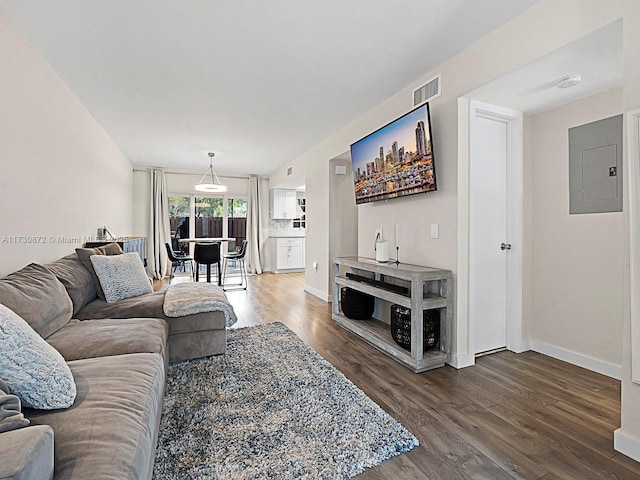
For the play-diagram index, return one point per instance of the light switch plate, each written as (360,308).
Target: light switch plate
(435,230)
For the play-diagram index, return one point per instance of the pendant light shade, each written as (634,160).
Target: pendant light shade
(210,182)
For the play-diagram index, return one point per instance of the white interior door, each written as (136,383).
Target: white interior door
(487,231)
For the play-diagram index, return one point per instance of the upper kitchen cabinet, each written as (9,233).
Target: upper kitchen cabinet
(284,204)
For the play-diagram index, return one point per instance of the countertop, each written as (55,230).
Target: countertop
(288,236)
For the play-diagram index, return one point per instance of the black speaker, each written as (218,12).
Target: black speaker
(356,305)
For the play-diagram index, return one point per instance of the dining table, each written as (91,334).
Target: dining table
(209,240)
(206,239)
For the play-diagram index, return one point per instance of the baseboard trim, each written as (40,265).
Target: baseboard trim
(584,361)
(626,444)
(317,293)
(523,346)
(462,361)
(288,270)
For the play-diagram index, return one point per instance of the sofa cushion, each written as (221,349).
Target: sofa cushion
(76,279)
(27,454)
(185,346)
(121,276)
(150,306)
(111,429)
(100,338)
(84,254)
(33,369)
(36,295)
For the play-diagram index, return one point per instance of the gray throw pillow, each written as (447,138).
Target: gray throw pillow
(85,254)
(33,370)
(121,276)
(11,416)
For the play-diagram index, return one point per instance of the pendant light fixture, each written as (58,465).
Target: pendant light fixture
(215,186)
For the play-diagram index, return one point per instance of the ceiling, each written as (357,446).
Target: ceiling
(256,82)
(597,57)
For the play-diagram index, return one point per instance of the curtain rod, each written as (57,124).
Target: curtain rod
(175,172)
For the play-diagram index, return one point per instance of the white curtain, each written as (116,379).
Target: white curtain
(159,229)
(257,211)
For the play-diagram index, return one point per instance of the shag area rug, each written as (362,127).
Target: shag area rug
(270,408)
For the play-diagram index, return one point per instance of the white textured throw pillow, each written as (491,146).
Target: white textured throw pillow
(33,370)
(121,276)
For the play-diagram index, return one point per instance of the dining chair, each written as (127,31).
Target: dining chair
(207,254)
(177,260)
(238,256)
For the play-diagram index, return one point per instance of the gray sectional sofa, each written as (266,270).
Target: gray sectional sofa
(118,354)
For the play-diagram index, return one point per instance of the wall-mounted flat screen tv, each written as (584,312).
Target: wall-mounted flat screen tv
(395,160)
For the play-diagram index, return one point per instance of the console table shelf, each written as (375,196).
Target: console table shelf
(429,288)
(429,299)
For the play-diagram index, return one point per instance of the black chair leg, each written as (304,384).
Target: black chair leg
(197,272)
(208,273)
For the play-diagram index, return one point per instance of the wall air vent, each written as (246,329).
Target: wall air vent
(289,171)
(428,91)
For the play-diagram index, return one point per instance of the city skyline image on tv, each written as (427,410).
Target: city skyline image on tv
(396,160)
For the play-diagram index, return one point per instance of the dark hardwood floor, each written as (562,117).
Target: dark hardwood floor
(511,416)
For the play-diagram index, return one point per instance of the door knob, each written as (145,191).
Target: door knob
(505,246)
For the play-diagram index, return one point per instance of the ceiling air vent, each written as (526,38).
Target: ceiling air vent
(289,171)
(426,92)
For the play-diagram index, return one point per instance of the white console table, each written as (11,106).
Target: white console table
(429,288)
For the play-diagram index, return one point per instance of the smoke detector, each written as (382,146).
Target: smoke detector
(570,81)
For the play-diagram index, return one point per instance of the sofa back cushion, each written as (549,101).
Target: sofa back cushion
(36,295)
(76,279)
(84,254)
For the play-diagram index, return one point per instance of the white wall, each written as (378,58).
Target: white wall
(62,175)
(343,213)
(316,242)
(577,276)
(546,26)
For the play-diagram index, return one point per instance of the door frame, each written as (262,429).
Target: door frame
(469,109)
(633,182)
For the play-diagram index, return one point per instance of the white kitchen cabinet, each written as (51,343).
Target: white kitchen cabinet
(289,253)
(284,204)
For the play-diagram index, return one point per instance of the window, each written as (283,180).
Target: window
(209,213)
(237,220)
(179,213)
(203,217)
